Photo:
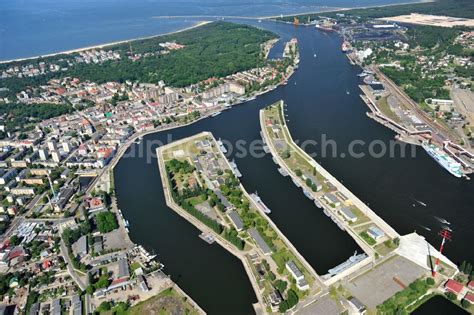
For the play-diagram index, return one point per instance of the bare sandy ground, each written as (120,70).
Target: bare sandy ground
(433,20)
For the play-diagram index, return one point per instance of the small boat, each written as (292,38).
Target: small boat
(308,194)
(260,203)
(216,114)
(314,55)
(347,92)
(283,172)
(296,183)
(318,204)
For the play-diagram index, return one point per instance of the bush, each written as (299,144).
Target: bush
(451,296)
(430,281)
(465,303)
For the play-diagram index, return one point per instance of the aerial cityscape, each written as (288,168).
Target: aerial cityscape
(275,157)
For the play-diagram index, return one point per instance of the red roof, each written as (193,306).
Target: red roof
(16,253)
(470,285)
(453,286)
(469,297)
(46,264)
(117,281)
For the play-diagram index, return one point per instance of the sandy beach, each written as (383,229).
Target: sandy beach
(335,9)
(106,44)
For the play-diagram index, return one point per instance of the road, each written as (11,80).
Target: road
(70,268)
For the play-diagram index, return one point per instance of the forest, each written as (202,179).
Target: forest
(18,115)
(213,50)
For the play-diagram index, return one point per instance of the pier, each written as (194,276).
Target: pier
(358,221)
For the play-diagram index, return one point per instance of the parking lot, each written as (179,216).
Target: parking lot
(374,287)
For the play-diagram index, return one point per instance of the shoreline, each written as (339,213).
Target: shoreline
(346,9)
(71,51)
(202,23)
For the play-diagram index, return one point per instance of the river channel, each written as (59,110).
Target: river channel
(323,102)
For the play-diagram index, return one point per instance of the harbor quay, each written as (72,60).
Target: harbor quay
(386,256)
(202,186)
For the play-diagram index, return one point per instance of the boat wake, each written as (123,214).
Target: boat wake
(426,228)
(441,220)
(421,202)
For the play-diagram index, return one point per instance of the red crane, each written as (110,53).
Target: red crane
(446,235)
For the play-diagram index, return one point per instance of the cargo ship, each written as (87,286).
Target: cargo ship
(443,159)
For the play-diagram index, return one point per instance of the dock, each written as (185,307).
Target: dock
(207,237)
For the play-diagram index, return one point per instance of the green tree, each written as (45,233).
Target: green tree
(106,222)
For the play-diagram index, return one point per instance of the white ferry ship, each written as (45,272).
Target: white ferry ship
(443,159)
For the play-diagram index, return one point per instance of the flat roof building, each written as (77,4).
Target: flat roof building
(76,305)
(357,305)
(260,241)
(331,199)
(236,220)
(348,214)
(375,233)
(301,282)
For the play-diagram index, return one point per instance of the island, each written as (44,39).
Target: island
(401,267)
(202,186)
